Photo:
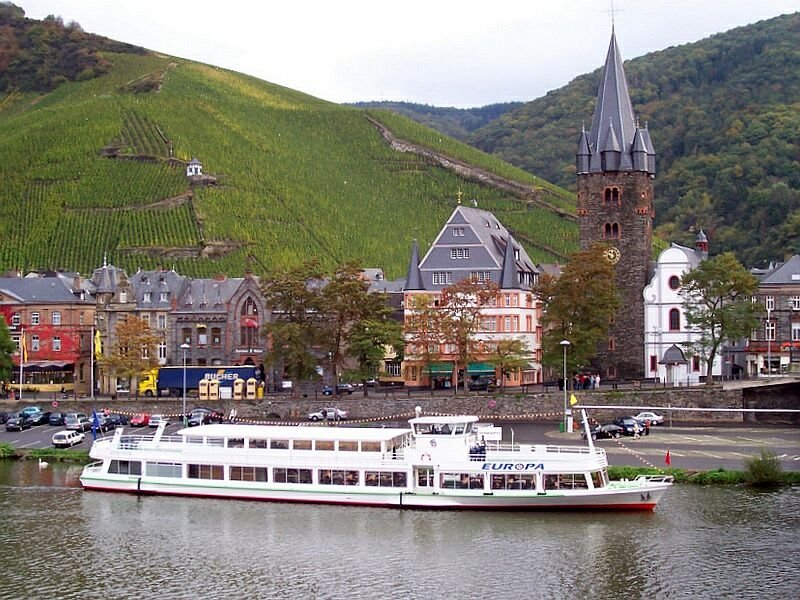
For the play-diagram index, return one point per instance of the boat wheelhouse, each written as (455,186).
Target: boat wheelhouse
(439,462)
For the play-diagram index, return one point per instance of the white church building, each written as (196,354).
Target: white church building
(666,330)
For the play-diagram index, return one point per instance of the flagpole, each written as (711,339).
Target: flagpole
(21,360)
(91,358)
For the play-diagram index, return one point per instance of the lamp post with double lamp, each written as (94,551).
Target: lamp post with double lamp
(184,347)
(770,335)
(565,345)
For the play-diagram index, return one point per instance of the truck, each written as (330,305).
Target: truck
(168,381)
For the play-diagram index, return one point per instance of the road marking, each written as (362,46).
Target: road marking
(29,444)
(710,454)
(796,458)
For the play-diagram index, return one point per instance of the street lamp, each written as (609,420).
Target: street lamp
(565,345)
(184,347)
(769,345)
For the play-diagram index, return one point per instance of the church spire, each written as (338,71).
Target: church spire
(614,123)
(414,277)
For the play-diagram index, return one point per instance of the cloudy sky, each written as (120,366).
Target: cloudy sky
(441,52)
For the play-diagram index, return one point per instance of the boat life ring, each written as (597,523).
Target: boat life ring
(425,457)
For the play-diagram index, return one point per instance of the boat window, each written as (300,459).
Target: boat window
(125,467)
(213,441)
(195,440)
(597,479)
(516,481)
(301,444)
(258,444)
(164,469)
(279,444)
(370,446)
(337,477)
(385,478)
(248,474)
(565,481)
(423,428)
(323,445)
(348,446)
(460,428)
(425,477)
(235,442)
(206,472)
(281,475)
(462,481)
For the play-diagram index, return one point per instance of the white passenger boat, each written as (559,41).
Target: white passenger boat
(440,462)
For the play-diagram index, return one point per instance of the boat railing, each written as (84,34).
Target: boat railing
(527,448)
(655,478)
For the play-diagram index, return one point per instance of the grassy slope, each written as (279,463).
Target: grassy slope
(298,176)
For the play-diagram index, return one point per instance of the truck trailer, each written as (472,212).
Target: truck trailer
(168,381)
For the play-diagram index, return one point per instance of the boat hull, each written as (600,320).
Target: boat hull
(642,497)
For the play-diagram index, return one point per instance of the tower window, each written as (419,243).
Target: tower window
(612,344)
(674,282)
(611,196)
(611,231)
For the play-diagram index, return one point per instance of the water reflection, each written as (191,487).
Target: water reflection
(701,542)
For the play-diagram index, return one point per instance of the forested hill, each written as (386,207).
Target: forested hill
(37,56)
(724,115)
(455,122)
(94,163)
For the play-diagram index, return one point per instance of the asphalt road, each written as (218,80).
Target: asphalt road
(698,447)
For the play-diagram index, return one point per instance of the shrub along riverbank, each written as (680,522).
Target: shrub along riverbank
(761,470)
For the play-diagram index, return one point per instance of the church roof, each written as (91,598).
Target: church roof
(788,272)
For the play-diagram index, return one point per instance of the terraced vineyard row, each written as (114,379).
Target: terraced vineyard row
(141,136)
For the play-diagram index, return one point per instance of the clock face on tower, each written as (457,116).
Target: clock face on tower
(612,255)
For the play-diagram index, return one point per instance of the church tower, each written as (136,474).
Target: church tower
(616,166)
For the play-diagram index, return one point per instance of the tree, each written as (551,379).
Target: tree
(369,340)
(717,304)
(423,331)
(461,306)
(295,299)
(578,307)
(133,351)
(7,348)
(509,355)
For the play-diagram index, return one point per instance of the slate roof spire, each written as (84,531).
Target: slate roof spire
(614,126)
(509,279)
(414,279)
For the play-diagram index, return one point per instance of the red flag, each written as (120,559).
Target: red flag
(667,458)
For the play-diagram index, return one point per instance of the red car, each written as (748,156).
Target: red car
(140,420)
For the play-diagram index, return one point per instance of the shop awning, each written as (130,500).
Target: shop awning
(480,368)
(443,368)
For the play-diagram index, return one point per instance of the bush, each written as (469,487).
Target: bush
(6,450)
(764,469)
(717,476)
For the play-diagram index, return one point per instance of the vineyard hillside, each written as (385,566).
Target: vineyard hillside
(97,167)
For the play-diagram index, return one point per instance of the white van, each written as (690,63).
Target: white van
(66,439)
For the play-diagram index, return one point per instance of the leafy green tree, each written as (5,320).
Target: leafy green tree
(369,340)
(461,306)
(7,348)
(510,355)
(578,307)
(717,304)
(423,332)
(295,299)
(133,351)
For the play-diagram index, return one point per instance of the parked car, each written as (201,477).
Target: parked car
(140,420)
(630,426)
(29,411)
(39,418)
(117,420)
(56,419)
(103,423)
(599,432)
(18,422)
(649,416)
(481,384)
(77,422)
(4,416)
(203,416)
(156,420)
(372,382)
(67,439)
(326,414)
(341,388)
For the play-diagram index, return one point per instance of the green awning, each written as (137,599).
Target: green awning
(480,369)
(443,368)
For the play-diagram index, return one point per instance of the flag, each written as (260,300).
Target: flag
(572,400)
(23,347)
(667,459)
(95,424)
(98,344)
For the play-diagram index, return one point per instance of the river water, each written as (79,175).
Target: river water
(701,542)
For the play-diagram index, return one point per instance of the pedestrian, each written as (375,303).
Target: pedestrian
(647,426)
(597,380)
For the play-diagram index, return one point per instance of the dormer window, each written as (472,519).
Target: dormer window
(459,253)
(458,231)
(148,296)
(163,296)
(145,280)
(123,296)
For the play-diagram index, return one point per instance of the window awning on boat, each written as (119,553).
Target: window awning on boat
(440,368)
(480,368)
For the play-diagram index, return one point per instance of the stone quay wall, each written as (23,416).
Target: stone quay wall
(400,404)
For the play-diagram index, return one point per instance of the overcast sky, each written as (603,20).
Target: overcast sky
(441,52)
